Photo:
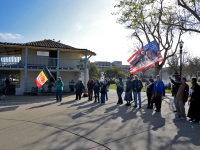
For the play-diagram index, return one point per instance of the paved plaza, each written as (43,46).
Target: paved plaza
(39,123)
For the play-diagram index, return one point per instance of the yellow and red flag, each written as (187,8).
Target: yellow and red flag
(43,76)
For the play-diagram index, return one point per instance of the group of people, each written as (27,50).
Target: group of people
(155,90)
(183,94)
(99,88)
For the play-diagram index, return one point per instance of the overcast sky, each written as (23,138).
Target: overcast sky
(84,24)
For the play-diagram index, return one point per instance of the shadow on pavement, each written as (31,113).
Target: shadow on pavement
(44,105)
(8,108)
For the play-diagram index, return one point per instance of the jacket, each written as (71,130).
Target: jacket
(137,85)
(96,86)
(79,86)
(90,85)
(59,85)
(176,83)
(120,86)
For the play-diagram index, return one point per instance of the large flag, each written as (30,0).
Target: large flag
(144,58)
(43,76)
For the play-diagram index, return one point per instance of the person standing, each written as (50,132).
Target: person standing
(71,85)
(90,89)
(7,81)
(79,88)
(181,98)
(59,88)
(96,88)
(107,88)
(120,89)
(194,109)
(149,93)
(158,92)
(103,91)
(128,91)
(137,87)
(176,84)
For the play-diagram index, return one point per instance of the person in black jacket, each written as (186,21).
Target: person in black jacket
(79,87)
(96,88)
(103,91)
(120,89)
(128,91)
(181,98)
(194,109)
(149,93)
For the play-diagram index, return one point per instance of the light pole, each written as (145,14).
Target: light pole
(181,50)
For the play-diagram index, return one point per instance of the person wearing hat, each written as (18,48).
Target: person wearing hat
(128,91)
(58,89)
(120,89)
(176,83)
(79,87)
(137,87)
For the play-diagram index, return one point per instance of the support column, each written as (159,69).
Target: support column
(85,74)
(58,64)
(25,69)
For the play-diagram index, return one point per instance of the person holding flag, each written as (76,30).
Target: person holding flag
(59,88)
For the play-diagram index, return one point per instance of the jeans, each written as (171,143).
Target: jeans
(175,102)
(180,108)
(102,98)
(59,95)
(119,94)
(150,102)
(96,95)
(137,96)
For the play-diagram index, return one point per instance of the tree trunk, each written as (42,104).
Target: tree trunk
(157,70)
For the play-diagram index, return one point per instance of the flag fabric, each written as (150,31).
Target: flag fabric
(144,58)
(43,76)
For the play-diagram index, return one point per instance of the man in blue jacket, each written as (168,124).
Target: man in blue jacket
(158,92)
(137,87)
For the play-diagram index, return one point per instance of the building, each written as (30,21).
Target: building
(28,59)
(104,64)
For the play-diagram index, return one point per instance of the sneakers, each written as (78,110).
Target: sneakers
(135,106)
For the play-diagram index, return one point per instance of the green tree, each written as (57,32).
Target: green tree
(144,19)
(115,72)
(94,71)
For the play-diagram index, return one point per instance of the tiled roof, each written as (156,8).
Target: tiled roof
(47,44)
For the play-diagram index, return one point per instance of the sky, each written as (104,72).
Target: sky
(86,24)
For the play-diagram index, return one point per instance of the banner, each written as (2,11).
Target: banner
(144,58)
(43,76)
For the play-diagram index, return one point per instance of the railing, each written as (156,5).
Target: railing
(35,61)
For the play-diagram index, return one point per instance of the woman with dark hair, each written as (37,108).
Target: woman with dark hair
(120,89)
(194,102)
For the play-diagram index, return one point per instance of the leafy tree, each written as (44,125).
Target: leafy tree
(144,19)
(94,71)
(115,72)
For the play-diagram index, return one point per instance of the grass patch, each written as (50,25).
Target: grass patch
(113,87)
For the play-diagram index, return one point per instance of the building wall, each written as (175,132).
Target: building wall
(66,77)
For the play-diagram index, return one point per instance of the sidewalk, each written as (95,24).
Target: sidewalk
(83,125)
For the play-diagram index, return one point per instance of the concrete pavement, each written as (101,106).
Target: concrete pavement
(39,123)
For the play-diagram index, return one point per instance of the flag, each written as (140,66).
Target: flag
(144,58)
(43,76)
